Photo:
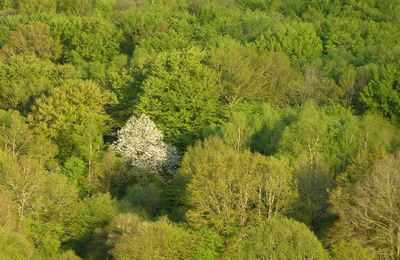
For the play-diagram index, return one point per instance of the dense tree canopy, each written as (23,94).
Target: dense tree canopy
(279,239)
(136,239)
(32,39)
(371,212)
(247,75)
(192,129)
(73,116)
(181,94)
(230,189)
(23,78)
(297,39)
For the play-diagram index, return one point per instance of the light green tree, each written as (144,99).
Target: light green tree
(369,209)
(28,7)
(278,239)
(24,78)
(33,39)
(298,40)
(76,7)
(135,238)
(15,136)
(63,117)
(87,40)
(15,246)
(22,177)
(8,210)
(247,75)
(352,249)
(229,189)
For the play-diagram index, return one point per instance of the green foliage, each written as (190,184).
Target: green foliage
(248,75)
(90,213)
(99,210)
(15,136)
(15,246)
(8,209)
(91,39)
(144,197)
(32,39)
(43,201)
(36,6)
(350,250)
(74,169)
(18,140)
(208,244)
(332,132)
(69,7)
(244,26)
(382,94)
(180,94)
(350,40)
(23,78)
(7,26)
(6,4)
(76,7)
(320,144)
(297,39)
(158,240)
(256,126)
(22,176)
(49,224)
(282,108)
(257,4)
(156,27)
(73,117)
(105,5)
(364,210)
(108,174)
(279,239)
(68,255)
(229,189)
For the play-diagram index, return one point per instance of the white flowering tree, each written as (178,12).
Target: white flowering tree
(141,144)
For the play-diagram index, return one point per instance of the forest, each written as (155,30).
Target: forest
(200,129)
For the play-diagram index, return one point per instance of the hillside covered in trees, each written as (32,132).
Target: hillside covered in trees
(200,129)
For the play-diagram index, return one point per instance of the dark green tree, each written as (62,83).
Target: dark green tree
(181,94)
(382,94)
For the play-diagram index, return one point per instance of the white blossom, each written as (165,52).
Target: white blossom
(141,144)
